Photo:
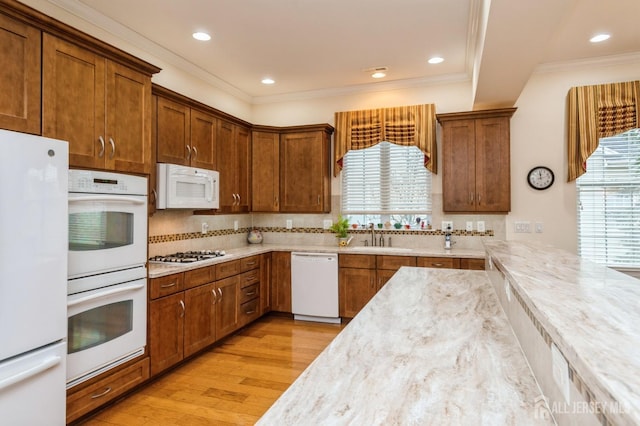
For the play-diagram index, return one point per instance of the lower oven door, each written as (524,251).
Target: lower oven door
(106,327)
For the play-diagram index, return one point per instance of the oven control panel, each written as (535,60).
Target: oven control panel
(99,182)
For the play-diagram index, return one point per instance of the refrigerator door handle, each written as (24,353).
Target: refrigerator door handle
(25,374)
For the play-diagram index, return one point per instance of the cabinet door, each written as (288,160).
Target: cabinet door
(459,171)
(473,264)
(166,332)
(20,53)
(243,147)
(203,140)
(227,306)
(382,276)
(281,281)
(357,287)
(200,318)
(303,171)
(493,186)
(265,172)
(128,119)
(265,283)
(73,101)
(227,160)
(172,140)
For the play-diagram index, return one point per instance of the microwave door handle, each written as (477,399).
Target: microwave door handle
(106,198)
(104,294)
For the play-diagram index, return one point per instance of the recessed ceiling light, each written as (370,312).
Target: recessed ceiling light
(599,37)
(435,60)
(201,36)
(378,74)
(268,81)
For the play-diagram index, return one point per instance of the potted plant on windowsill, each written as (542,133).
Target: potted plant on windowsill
(340,227)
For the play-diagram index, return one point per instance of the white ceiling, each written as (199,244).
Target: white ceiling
(317,47)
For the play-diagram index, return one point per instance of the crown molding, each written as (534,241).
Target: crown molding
(602,61)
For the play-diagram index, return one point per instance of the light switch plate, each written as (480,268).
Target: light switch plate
(289,224)
(469,226)
(447,224)
(480,226)
(235,225)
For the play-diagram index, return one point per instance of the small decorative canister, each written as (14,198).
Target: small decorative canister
(254,236)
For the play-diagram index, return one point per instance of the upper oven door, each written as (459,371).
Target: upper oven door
(106,233)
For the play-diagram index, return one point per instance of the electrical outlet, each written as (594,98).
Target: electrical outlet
(480,226)
(539,227)
(522,227)
(204,227)
(447,225)
(235,225)
(469,226)
(326,224)
(560,371)
(289,224)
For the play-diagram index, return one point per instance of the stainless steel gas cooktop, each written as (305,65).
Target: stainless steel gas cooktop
(188,256)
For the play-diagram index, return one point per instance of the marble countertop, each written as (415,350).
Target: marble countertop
(158,270)
(433,347)
(592,313)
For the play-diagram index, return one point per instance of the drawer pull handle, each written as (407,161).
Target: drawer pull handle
(437,264)
(250,312)
(251,294)
(251,263)
(168,285)
(251,278)
(99,395)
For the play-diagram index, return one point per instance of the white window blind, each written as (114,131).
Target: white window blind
(609,203)
(386,179)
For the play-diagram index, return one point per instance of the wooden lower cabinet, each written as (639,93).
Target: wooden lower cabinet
(357,287)
(199,318)
(439,262)
(166,332)
(265,283)
(87,398)
(281,281)
(473,264)
(227,306)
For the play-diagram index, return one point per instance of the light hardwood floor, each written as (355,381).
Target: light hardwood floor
(232,384)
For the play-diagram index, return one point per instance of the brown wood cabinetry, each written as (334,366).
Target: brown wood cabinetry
(476,163)
(227,314)
(281,281)
(102,108)
(473,264)
(234,162)
(265,283)
(305,171)
(20,54)
(439,262)
(166,331)
(185,135)
(85,398)
(199,318)
(265,172)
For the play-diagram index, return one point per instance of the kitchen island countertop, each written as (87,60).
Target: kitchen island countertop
(432,347)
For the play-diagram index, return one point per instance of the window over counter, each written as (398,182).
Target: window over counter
(386,183)
(608,197)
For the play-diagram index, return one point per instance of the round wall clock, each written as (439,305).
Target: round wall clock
(540,177)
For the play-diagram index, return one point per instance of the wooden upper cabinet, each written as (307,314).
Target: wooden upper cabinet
(20,54)
(234,160)
(265,168)
(476,163)
(185,135)
(102,108)
(305,171)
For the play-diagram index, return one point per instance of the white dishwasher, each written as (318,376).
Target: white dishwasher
(314,287)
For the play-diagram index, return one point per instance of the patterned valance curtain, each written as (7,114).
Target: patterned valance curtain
(598,112)
(406,125)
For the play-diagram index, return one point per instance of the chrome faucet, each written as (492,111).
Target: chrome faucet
(373,235)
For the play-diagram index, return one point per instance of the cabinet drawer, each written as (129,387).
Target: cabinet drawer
(249,293)
(103,391)
(394,263)
(249,311)
(249,278)
(199,276)
(249,263)
(360,261)
(439,262)
(164,286)
(227,269)
(474,264)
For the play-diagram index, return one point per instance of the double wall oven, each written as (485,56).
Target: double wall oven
(106,292)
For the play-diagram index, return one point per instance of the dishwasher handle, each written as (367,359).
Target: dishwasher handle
(315,256)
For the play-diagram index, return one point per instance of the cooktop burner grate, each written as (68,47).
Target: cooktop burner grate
(187,256)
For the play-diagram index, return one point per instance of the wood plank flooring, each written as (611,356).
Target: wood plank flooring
(232,384)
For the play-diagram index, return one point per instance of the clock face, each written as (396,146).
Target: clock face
(540,177)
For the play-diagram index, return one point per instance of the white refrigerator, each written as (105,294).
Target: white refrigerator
(33,279)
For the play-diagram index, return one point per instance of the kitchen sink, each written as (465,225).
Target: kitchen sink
(378,248)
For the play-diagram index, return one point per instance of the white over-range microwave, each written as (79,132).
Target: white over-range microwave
(182,187)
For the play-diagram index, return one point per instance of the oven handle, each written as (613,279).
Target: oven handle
(106,198)
(104,294)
